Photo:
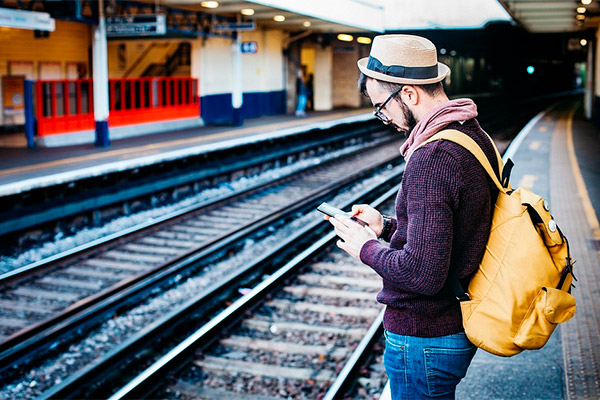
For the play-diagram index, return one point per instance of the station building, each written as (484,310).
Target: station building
(89,71)
(76,72)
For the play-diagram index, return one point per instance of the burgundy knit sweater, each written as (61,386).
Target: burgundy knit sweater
(443,218)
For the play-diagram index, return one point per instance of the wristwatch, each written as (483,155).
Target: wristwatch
(387,227)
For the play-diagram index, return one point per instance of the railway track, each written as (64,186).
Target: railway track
(37,293)
(263,209)
(303,333)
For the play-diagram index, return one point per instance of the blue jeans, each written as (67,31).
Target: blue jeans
(426,368)
(301,106)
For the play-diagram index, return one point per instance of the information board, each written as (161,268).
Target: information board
(136,25)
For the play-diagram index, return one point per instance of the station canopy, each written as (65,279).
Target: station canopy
(554,15)
(354,15)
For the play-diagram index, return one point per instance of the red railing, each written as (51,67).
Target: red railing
(67,105)
(64,106)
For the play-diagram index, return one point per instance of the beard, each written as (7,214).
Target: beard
(409,120)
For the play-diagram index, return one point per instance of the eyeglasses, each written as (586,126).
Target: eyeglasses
(377,112)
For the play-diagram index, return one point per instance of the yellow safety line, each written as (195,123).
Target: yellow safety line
(590,213)
(138,150)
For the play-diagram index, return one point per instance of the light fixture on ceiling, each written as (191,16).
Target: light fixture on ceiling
(279,18)
(580,10)
(586,2)
(363,40)
(580,17)
(344,37)
(247,11)
(583,42)
(210,4)
(306,24)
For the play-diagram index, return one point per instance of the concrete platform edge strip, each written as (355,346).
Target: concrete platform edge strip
(55,179)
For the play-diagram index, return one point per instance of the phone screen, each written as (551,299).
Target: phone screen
(333,211)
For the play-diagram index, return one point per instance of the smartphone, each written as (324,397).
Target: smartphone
(333,211)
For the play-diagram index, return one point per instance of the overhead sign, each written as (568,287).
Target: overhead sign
(235,26)
(137,25)
(249,47)
(21,19)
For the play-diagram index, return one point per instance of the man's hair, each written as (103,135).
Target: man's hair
(431,89)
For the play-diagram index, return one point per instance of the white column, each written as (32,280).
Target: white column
(100,78)
(323,82)
(236,95)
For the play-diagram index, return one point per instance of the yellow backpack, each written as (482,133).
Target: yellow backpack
(521,290)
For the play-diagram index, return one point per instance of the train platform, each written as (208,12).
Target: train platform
(23,169)
(556,156)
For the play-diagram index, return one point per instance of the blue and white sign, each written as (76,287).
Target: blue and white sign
(249,47)
(235,26)
(21,19)
(136,25)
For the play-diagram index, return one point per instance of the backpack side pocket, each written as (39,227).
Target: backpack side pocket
(549,308)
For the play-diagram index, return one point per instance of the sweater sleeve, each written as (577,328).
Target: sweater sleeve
(432,181)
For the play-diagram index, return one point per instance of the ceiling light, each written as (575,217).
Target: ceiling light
(279,18)
(580,17)
(586,2)
(306,24)
(580,10)
(210,4)
(583,42)
(345,37)
(247,11)
(363,40)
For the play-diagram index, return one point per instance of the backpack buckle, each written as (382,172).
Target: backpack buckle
(463,297)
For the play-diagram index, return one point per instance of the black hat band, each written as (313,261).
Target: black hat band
(399,71)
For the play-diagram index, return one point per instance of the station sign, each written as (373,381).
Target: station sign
(249,47)
(34,20)
(136,25)
(235,26)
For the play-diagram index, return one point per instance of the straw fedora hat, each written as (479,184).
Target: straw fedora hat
(404,59)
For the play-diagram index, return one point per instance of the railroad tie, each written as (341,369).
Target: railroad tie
(217,364)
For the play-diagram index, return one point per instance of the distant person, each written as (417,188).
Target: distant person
(310,105)
(441,224)
(302,95)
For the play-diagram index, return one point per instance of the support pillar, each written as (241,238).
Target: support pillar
(236,96)
(29,114)
(196,70)
(589,79)
(100,79)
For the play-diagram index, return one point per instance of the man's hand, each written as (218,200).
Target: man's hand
(369,215)
(353,235)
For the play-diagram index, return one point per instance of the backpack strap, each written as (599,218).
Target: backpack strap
(465,141)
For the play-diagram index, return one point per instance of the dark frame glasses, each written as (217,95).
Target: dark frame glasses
(377,112)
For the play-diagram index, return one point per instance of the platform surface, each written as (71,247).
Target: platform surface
(23,169)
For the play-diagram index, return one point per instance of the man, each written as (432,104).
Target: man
(442,222)
(302,95)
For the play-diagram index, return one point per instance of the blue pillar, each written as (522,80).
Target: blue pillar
(29,115)
(102,134)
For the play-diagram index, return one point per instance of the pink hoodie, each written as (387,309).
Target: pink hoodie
(437,119)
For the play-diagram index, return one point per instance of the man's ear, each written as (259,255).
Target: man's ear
(410,95)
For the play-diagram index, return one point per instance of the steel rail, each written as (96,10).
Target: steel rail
(147,381)
(21,272)
(49,329)
(241,157)
(20,351)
